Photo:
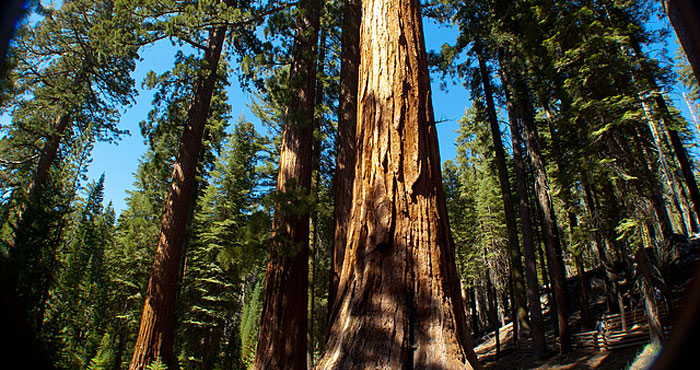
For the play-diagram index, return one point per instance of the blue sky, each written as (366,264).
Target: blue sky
(119,161)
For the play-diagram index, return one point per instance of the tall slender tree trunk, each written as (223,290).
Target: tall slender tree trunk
(345,158)
(649,181)
(583,293)
(493,311)
(121,339)
(399,302)
(676,142)
(474,313)
(519,302)
(606,259)
(314,238)
(533,287)
(282,341)
(681,154)
(156,332)
(550,228)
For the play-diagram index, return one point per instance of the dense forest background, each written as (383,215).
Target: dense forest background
(572,156)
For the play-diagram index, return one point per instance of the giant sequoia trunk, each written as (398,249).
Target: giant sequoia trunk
(282,341)
(398,303)
(347,120)
(156,333)
(516,264)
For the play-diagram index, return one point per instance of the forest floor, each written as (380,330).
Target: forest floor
(588,359)
(637,357)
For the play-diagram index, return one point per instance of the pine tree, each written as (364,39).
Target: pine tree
(78,302)
(230,234)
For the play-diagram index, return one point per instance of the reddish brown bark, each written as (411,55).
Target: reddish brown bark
(282,341)
(48,155)
(347,120)
(156,332)
(399,303)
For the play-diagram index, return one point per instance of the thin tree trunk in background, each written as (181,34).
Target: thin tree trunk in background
(282,340)
(314,238)
(681,155)
(474,314)
(493,311)
(603,254)
(533,286)
(345,159)
(121,339)
(551,232)
(586,322)
(156,332)
(399,304)
(650,182)
(544,267)
(565,178)
(676,143)
(520,319)
(610,245)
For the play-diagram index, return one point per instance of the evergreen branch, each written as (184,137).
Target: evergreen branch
(258,17)
(8,162)
(193,43)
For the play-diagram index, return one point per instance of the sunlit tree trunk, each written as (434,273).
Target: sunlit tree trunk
(156,332)
(282,340)
(347,120)
(399,304)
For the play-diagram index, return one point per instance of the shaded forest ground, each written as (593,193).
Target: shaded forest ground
(677,273)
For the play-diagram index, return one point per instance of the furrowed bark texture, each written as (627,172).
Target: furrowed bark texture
(156,333)
(282,340)
(347,121)
(398,302)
